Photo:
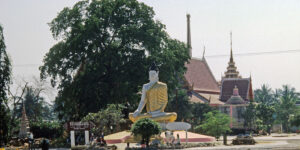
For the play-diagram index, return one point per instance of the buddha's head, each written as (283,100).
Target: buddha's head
(153,73)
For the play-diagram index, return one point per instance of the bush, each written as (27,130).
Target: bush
(146,128)
(48,130)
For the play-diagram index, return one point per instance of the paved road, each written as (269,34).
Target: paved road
(274,142)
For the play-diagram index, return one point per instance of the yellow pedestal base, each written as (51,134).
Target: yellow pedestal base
(169,117)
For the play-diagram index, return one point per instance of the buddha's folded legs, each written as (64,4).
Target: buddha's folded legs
(167,117)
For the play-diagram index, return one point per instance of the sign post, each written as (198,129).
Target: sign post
(79,126)
(72,138)
(87,140)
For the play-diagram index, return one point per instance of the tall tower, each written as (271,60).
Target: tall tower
(231,69)
(189,42)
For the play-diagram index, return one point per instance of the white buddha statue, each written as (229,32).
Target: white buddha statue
(155,98)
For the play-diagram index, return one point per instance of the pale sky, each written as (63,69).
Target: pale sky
(257,26)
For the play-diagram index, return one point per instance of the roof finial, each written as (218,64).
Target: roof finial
(235,91)
(203,52)
(189,42)
(231,57)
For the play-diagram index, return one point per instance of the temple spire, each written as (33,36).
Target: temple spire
(231,69)
(203,53)
(24,124)
(231,56)
(189,42)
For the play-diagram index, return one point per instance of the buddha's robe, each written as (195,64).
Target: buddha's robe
(157,97)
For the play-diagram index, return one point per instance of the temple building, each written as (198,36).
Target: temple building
(236,93)
(199,80)
(231,95)
(232,80)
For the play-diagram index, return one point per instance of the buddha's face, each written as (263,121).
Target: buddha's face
(153,76)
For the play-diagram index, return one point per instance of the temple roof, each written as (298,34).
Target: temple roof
(228,85)
(199,76)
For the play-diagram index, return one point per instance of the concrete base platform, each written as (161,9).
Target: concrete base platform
(118,137)
(191,137)
(121,137)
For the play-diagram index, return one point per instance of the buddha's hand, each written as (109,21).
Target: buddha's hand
(136,113)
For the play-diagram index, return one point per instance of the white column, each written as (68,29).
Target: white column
(72,138)
(86,135)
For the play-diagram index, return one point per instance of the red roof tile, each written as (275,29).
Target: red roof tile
(199,75)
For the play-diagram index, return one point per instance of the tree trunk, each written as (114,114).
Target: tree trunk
(225,139)
(147,143)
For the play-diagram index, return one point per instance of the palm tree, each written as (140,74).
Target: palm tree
(265,95)
(286,107)
(36,106)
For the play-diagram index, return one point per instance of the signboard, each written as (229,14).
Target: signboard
(177,126)
(77,126)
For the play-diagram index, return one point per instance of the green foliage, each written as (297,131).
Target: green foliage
(265,109)
(4,124)
(265,95)
(5,69)
(180,104)
(199,110)
(276,106)
(103,53)
(46,129)
(145,128)
(216,124)
(249,116)
(286,107)
(265,113)
(106,118)
(296,120)
(5,78)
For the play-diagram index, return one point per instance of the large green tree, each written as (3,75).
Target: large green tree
(5,78)
(103,53)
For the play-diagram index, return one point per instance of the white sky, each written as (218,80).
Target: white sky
(257,26)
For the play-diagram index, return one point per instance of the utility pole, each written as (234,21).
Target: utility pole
(176,100)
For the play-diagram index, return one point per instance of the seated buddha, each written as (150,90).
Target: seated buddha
(155,98)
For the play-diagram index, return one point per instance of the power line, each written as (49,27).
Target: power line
(210,56)
(257,53)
